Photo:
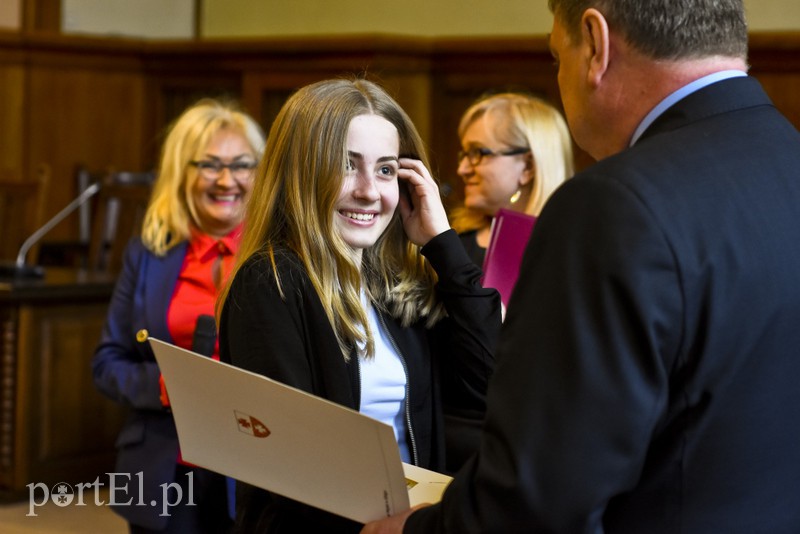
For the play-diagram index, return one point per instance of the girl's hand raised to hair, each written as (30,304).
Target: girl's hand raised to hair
(421,208)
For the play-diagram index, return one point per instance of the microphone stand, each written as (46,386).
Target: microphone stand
(20,269)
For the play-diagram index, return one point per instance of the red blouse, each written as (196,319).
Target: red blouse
(207,263)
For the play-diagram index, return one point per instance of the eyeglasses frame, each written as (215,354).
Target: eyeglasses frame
(484,152)
(222,166)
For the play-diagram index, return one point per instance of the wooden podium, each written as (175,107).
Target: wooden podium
(54,425)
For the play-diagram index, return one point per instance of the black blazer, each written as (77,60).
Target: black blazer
(646,377)
(291,340)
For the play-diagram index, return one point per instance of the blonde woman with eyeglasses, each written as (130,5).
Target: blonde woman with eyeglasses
(168,287)
(515,151)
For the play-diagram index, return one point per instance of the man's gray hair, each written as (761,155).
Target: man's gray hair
(666,29)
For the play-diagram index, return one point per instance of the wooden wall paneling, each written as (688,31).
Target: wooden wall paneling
(273,69)
(72,425)
(86,105)
(65,429)
(106,102)
(265,92)
(41,16)
(152,123)
(177,75)
(775,61)
(54,425)
(784,90)
(170,92)
(9,356)
(165,98)
(12,117)
(170,97)
(413,91)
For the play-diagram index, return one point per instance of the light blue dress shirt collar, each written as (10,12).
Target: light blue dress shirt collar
(683,92)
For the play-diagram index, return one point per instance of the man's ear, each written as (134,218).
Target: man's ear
(594,32)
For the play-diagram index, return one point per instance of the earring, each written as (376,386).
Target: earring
(515,196)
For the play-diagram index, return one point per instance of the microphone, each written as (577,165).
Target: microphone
(204,339)
(20,269)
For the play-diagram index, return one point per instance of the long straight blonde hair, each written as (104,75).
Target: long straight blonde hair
(171,210)
(525,122)
(292,207)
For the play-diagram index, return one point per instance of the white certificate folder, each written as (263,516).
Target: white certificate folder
(267,434)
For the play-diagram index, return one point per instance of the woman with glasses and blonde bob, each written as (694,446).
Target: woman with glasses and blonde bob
(171,276)
(516,150)
(350,283)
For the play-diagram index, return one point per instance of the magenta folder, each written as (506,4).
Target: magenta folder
(510,233)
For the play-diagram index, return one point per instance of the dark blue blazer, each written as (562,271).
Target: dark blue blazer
(125,370)
(647,374)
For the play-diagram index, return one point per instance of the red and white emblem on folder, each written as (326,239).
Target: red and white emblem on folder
(250,425)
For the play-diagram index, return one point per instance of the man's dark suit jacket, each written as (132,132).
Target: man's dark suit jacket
(648,377)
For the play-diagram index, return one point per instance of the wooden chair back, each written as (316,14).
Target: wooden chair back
(118,215)
(22,211)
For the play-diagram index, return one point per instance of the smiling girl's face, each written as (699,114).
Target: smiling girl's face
(370,193)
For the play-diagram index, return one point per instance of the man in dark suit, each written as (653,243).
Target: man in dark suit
(647,377)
